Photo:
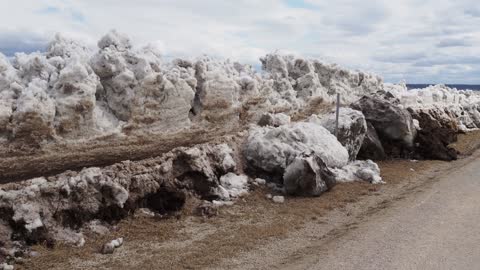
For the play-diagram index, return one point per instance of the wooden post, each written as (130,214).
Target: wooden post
(337,115)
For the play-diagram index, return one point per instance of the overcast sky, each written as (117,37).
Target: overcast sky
(431,41)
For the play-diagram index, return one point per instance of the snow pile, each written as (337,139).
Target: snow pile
(83,94)
(360,170)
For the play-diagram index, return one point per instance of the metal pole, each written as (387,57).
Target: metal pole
(337,114)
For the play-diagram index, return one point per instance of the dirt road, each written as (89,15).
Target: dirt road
(436,228)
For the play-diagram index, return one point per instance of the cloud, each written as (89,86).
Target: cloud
(404,39)
(454,42)
(24,41)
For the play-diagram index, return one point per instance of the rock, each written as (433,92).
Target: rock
(110,247)
(117,242)
(278,199)
(371,147)
(269,150)
(269,196)
(308,176)
(352,128)
(393,123)
(436,134)
(360,170)
(274,120)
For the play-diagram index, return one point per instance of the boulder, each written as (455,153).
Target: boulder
(371,147)
(352,128)
(308,175)
(393,123)
(270,150)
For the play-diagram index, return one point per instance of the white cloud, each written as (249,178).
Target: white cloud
(418,40)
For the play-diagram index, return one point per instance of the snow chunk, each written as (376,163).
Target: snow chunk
(360,170)
(278,199)
(233,186)
(271,150)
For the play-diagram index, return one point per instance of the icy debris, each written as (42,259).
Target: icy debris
(270,150)
(360,170)
(233,186)
(278,199)
(110,247)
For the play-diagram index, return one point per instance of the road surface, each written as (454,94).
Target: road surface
(438,228)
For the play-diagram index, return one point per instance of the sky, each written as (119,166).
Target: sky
(419,41)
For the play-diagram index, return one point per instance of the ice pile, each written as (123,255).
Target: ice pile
(70,92)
